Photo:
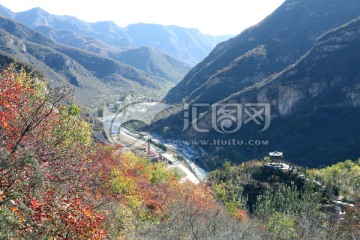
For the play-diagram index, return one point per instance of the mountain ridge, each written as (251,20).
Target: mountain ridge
(312,115)
(72,64)
(286,35)
(188,45)
(317,99)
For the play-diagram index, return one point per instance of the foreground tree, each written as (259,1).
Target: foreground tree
(42,158)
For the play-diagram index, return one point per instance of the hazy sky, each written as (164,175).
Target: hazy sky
(211,17)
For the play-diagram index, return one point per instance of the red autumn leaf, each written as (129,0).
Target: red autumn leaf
(35,204)
(14,209)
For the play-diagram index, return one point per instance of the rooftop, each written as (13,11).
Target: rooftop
(276,154)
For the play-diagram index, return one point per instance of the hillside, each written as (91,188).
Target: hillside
(90,74)
(55,182)
(154,63)
(295,203)
(188,45)
(236,69)
(264,49)
(315,106)
(90,44)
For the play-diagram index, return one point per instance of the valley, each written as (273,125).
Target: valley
(158,131)
(173,152)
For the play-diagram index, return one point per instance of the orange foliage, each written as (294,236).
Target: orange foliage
(30,149)
(156,198)
(74,181)
(73,218)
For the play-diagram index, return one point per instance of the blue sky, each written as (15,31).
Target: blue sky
(210,17)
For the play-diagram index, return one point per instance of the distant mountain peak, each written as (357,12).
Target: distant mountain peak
(109,23)
(34,17)
(39,11)
(4,11)
(107,27)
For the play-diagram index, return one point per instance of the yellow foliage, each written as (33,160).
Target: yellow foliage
(122,184)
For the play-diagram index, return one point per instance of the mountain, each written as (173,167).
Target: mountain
(167,52)
(6,12)
(188,45)
(255,67)
(93,77)
(154,63)
(150,60)
(315,106)
(38,17)
(262,50)
(90,44)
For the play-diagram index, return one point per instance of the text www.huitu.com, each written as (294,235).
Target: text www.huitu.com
(227,142)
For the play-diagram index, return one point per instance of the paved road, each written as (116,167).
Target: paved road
(189,175)
(132,142)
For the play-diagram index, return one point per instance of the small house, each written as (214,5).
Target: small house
(276,157)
